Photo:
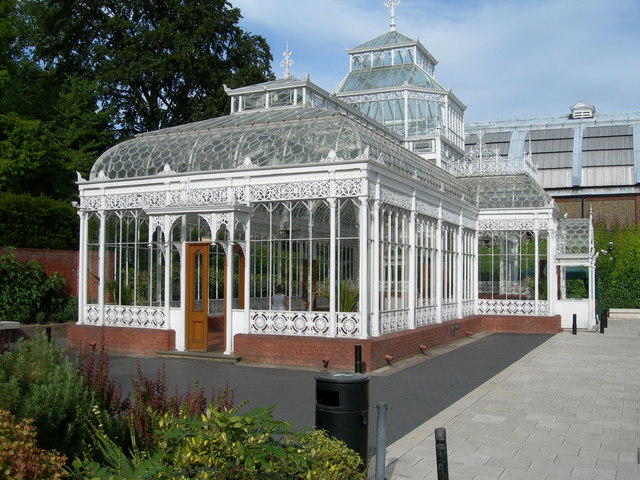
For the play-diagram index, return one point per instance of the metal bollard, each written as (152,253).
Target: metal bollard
(574,327)
(358,359)
(605,318)
(442,462)
(601,325)
(381,440)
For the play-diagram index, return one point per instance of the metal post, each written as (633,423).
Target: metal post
(358,359)
(605,318)
(601,325)
(574,327)
(442,463)
(381,440)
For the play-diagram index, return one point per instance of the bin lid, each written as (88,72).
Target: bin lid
(343,377)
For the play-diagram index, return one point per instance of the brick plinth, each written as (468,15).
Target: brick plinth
(310,351)
(138,341)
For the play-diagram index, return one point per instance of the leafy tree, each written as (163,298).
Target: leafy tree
(157,62)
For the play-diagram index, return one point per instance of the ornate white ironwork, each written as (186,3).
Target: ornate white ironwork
(216,220)
(290,191)
(392,197)
(513,224)
(427,209)
(332,156)
(392,4)
(481,160)
(433,97)
(125,316)
(350,188)
(135,200)
(512,307)
(287,62)
(425,315)
(312,324)
(373,97)
(394,321)
(450,217)
(449,311)
(165,222)
(467,308)
(246,163)
(349,324)
(91,203)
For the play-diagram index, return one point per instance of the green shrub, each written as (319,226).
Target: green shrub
(618,277)
(28,295)
(20,458)
(223,445)
(37,222)
(38,381)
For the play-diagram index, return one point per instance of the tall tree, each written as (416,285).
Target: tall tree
(158,63)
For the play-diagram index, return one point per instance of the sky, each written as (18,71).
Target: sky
(502,58)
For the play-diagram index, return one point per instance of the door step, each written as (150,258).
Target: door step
(212,356)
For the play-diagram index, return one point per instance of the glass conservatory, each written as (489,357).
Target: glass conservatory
(192,229)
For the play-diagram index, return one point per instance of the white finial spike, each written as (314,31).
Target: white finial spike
(287,62)
(391,5)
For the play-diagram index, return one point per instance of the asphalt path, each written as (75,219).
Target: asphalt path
(414,392)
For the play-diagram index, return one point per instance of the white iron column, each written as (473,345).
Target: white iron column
(101,264)
(228,284)
(438,268)
(459,279)
(375,275)
(82,266)
(552,277)
(412,265)
(167,278)
(363,266)
(333,259)
(536,270)
(247,277)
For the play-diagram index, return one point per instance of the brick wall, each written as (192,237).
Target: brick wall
(622,209)
(62,261)
(137,341)
(309,351)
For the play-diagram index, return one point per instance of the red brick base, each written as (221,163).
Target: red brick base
(138,341)
(311,351)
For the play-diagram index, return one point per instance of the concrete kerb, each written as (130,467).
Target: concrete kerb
(425,432)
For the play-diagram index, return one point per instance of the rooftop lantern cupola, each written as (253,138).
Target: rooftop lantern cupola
(582,109)
(392,80)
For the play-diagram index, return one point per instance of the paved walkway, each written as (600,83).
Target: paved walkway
(569,409)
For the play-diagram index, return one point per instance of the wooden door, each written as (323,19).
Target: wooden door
(197,296)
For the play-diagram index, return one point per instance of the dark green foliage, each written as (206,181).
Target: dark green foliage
(37,222)
(38,381)
(618,275)
(27,295)
(156,64)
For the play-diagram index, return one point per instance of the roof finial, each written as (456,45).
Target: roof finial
(287,62)
(391,5)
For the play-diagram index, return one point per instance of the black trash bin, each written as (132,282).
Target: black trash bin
(342,408)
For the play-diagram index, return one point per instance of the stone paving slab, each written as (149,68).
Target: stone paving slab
(570,409)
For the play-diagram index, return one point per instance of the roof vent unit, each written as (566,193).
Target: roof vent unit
(582,110)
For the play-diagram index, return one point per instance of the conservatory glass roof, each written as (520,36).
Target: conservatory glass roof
(264,139)
(391,76)
(389,38)
(508,191)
